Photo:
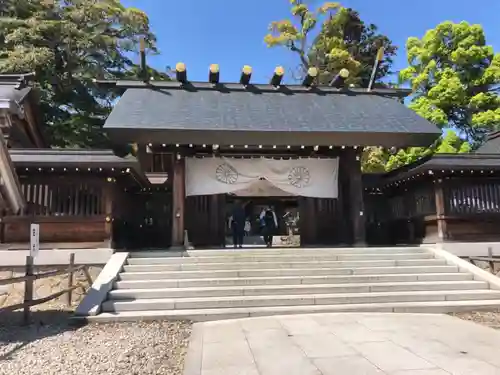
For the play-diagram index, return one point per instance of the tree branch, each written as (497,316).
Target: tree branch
(302,55)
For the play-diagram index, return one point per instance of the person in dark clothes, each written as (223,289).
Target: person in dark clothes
(268,218)
(238,224)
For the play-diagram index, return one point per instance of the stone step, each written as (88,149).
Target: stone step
(268,290)
(158,275)
(277,251)
(285,258)
(200,315)
(280,265)
(296,300)
(290,280)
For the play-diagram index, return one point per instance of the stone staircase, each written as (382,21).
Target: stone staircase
(205,285)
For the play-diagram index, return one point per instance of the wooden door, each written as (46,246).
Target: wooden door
(206,220)
(146,222)
(321,222)
(158,223)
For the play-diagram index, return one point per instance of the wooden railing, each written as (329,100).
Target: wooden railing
(54,198)
(30,277)
(490,259)
(473,197)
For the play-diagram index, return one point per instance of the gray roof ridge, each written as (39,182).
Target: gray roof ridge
(254,88)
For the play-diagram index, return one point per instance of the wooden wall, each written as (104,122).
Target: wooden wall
(401,215)
(321,222)
(472,209)
(205,220)
(68,209)
(145,219)
(435,210)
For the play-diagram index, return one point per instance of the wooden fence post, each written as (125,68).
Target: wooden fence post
(28,289)
(87,275)
(70,277)
(491,263)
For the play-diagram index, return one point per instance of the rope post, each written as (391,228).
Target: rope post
(70,278)
(28,289)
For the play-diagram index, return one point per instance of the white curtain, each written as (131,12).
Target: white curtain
(304,177)
(261,188)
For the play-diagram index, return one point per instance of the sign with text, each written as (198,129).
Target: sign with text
(34,239)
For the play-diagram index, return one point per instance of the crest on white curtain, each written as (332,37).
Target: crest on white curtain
(301,177)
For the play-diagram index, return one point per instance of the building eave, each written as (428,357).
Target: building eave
(457,164)
(71,159)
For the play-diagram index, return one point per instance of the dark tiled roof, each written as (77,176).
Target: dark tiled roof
(285,116)
(446,163)
(13,87)
(492,144)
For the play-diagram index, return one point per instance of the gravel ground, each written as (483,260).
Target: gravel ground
(487,318)
(55,346)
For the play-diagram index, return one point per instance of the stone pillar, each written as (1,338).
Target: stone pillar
(178,201)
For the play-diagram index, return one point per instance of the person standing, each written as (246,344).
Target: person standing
(268,218)
(238,224)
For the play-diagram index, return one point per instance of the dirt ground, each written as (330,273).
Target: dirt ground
(487,318)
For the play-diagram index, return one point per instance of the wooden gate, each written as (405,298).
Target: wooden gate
(321,222)
(147,222)
(206,220)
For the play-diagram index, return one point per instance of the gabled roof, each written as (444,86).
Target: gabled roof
(15,91)
(23,157)
(10,189)
(444,163)
(491,145)
(77,158)
(168,112)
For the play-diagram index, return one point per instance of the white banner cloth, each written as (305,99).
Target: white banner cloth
(304,177)
(261,188)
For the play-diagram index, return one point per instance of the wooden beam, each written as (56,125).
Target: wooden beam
(179,198)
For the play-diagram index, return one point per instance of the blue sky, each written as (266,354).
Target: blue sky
(230,32)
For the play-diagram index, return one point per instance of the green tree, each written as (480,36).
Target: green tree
(68,43)
(455,77)
(374,159)
(449,143)
(331,38)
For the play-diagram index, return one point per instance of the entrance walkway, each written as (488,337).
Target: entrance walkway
(344,344)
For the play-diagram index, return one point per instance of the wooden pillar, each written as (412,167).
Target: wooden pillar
(143,158)
(352,158)
(410,226)
(179,199)
(2,225)
(218,221)
(440,211)
(108,196)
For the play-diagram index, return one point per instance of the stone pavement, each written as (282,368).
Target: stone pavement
(344,344)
